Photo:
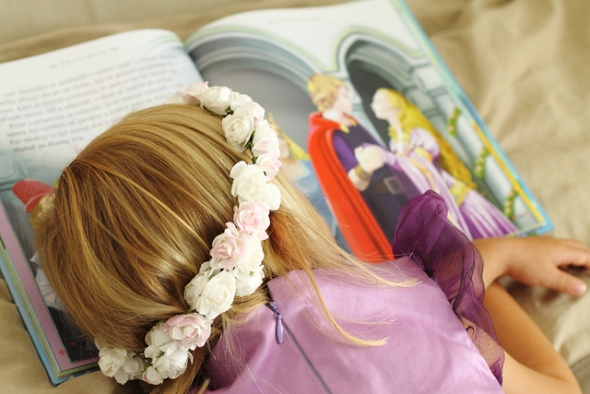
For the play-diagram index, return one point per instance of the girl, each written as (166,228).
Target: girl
(177,245)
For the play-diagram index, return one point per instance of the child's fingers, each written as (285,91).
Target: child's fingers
(565,283)
(575,256)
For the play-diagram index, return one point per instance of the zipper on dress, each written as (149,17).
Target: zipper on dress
(281,329)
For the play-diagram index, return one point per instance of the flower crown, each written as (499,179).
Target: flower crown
(235,267)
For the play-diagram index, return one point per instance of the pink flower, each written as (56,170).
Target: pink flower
(253,218)
(228,247)
(269,160)
(190,330)
(254,109)
(192,93)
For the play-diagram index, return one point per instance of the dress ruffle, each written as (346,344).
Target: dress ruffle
(447,256)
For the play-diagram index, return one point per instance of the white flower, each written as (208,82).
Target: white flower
(194,289)
(217,296)
(152,376)
(216,99)
(248,282)
(169,358)
(121,364)
(250,185)
(238,128)
(266,148)
(264,132)
(248,271)
(239,100)
(173,362)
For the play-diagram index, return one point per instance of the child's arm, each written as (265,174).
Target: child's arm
(535,261)
(532,365)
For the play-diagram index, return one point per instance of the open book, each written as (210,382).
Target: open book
(368,114)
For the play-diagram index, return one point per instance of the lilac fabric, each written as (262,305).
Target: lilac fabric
(448,257)
(428,349)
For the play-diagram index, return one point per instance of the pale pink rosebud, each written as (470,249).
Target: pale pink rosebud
(227,248)
(255,110)
(270,162)
(192,93)
(264,132)
(253,218)
(191,330)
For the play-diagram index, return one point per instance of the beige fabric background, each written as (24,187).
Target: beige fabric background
(524,64)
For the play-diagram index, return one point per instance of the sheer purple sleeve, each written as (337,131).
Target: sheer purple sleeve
(448,257)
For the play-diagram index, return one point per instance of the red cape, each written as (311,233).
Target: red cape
(356,221)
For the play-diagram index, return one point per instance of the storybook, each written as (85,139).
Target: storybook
(367,115)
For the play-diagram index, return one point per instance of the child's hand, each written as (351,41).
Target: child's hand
(535,261)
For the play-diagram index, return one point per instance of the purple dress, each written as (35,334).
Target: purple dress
(482,217)
(428,349)
(413,161)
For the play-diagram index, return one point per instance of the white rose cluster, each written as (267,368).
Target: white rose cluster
(235,268)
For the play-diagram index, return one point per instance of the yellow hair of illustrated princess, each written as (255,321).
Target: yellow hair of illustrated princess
(411,117)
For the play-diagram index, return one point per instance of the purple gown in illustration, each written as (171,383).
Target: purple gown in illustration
(414,157)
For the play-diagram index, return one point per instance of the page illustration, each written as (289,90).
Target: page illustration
(370,89)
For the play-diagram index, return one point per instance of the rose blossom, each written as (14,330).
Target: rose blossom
(250,185)
(191,330)
(216,99)
(269,161)
(228,247)
(238,100)
(248,271)
(254,109)
(253,218)
(264,131)
(168,357)
(194,289)
(173,362)
(238,128)
(191,94)
(217,296)
(248,281)
(121,364)
(152,376)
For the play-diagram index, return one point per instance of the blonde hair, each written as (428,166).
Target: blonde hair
(134,216)
(323,90)
(410,117)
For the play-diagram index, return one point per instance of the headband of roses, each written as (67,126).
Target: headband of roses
(235,267)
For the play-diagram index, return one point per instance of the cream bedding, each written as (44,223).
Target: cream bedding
(523,64)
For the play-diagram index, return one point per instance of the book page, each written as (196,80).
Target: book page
(51,106)
(420,121)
